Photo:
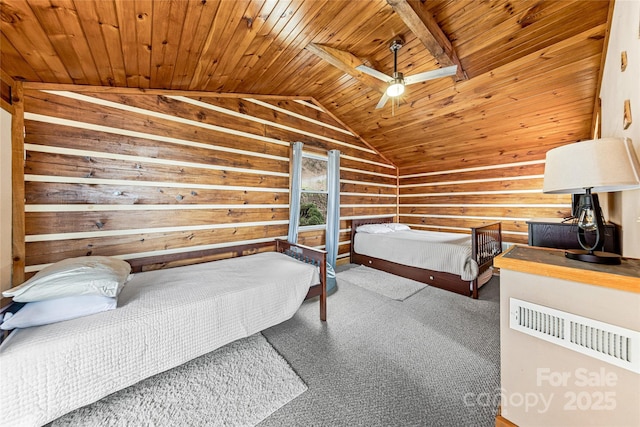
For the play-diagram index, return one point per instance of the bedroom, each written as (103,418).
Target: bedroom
(113,170)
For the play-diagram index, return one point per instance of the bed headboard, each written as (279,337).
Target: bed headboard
(355,223)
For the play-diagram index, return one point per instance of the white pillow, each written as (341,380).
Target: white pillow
(397,227)
(89,275)
(373,229)
(56,310)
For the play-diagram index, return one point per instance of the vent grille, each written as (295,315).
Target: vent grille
(600,340)
(603,341)
(538,321)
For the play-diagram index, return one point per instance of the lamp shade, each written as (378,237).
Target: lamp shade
(607,164)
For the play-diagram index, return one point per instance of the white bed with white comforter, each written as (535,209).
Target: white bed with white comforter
(164,318)
(439,251)
(457,262)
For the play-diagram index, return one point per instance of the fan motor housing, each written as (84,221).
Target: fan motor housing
(396,44)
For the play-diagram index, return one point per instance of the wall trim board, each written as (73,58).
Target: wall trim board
(17,186)
(367,194)
(488,205)
(483,218)
(186,185)
(6,80)
(106,208)
(471,193)
(352,217)
(6,258)
(472,181)
(366,206)
(116,233)
(367,172)
(473,169)
(155,160)
(375,184)
(5,100)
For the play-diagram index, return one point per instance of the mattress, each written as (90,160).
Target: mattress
(164,318)
(431,250)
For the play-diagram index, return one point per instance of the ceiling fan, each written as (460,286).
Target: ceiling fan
(398,81)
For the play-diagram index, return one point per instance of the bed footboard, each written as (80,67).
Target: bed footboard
(313,256)
(486,245)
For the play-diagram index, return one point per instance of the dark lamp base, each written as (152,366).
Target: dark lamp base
(595,257)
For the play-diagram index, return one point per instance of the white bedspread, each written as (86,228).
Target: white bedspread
(446,252)
(164,318)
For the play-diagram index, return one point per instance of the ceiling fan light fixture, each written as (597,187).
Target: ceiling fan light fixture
(396,88)
(396,84)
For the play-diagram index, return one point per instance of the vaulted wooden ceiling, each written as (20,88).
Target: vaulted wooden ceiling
(528,82)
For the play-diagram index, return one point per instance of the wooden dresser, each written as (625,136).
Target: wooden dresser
(545,380)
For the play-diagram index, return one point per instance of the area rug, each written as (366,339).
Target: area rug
(237,385)
(389,285)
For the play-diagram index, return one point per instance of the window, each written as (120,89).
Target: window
(314,194)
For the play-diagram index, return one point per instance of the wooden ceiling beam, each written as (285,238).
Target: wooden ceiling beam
(347,63)
(427,30)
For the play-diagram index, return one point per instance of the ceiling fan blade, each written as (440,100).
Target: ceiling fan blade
(382,101)
(430,75)
(375,73)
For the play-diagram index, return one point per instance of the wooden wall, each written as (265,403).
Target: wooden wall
(454,200)
(130,175)
(9,99)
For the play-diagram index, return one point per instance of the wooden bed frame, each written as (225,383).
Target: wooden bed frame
(45,408)
(302,253)
(482,238)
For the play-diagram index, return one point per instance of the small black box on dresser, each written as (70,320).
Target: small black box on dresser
(563,234)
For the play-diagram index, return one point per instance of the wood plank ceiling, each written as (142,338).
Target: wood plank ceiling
(531,67)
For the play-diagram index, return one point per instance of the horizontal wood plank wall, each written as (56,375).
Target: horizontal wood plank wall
(455,200)
(134,175)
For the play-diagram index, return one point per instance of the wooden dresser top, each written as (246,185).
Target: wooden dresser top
(553,263)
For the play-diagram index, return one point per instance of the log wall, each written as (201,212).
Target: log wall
(131,175)
(454,200)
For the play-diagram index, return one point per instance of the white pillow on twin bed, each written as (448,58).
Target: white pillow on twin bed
(397,227)
(373,229)
(89,275)
(57,310)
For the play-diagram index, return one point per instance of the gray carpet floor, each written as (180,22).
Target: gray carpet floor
(239,384)
(389,285)
(430,360)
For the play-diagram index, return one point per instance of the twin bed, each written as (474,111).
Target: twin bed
(456,262)
(168,316)
(164,318)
